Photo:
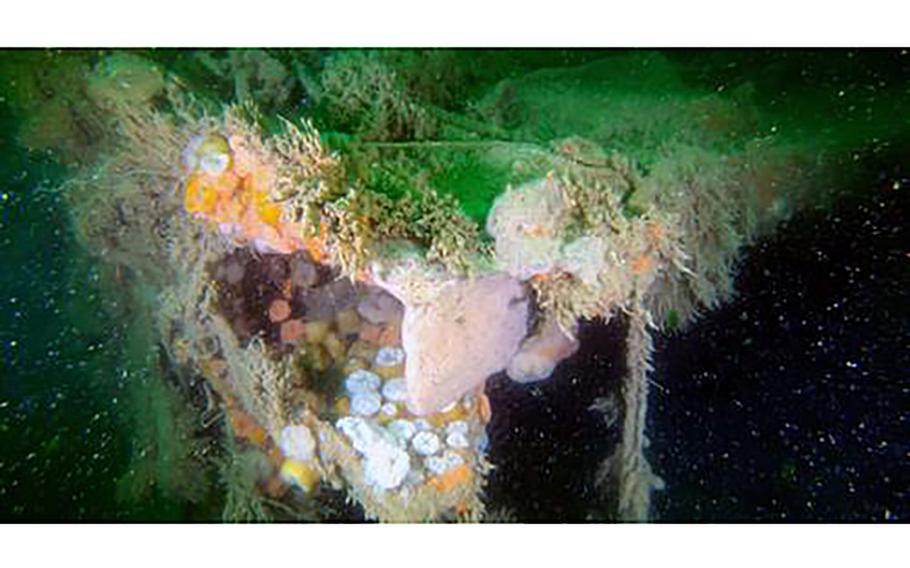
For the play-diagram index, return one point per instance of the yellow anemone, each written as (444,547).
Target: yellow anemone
(199,197)
(300,474)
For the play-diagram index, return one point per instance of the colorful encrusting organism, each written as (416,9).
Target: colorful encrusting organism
(231,189)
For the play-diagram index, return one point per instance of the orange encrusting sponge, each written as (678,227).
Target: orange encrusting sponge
(237,200)
(452,478)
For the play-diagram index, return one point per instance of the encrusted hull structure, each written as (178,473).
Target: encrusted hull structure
(279,273)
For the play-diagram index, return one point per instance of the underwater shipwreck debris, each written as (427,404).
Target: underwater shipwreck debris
(355,363)
(341,375)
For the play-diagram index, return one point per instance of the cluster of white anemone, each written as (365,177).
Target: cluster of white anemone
(393,453)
